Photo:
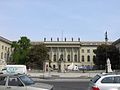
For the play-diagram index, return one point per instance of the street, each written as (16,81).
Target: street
(67,85)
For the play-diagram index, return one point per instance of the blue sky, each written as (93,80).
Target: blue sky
(36,19)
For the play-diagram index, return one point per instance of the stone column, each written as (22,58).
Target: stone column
(71,54)
(65,55)
(78,54)
(51,54)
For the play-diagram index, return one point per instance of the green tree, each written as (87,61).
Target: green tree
(20,50)
(103,52)
(37,56)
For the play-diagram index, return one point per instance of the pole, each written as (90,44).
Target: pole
(106,40)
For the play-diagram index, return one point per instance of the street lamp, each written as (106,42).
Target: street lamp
(106,40)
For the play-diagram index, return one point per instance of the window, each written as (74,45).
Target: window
(26,80)
(68,57)
(1,55)
(2,47)
(2,80)
(88,58)
(61,57)
(54,67)
(5,56)
(54,57)
(108,80)
(95,79)
(75,58)
(88,51)
(5,48)
(13,81)
(94,58)
(8,49)
(82,50)
(117,79)
(82,58)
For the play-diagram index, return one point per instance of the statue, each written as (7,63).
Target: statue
(109,66)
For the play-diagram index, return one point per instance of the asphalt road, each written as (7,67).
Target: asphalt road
(68,85)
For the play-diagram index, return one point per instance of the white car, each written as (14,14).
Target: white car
(21,82)
(105,82)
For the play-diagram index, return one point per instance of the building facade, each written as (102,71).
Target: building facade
(5,51)
(67,52)
(117,44)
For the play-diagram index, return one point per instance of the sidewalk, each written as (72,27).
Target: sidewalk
(56,75)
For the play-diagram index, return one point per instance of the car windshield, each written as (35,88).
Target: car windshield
(94,80)
(26,80)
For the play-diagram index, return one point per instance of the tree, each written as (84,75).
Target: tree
(21,50)
(37,56)
(103,52)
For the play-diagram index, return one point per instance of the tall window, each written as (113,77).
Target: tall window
(61,57)
(75,58)
(5,55)
(94,58)
(88,50)
(54,66)
(88,58)
(68,57)
(1,55)
(82,58)
(2,47)
(54,58)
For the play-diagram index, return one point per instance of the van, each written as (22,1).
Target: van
(14,69)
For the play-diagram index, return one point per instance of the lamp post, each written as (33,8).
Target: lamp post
(106,40)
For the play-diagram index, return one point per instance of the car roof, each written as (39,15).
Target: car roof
(110,74)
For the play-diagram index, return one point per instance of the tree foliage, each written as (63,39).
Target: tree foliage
(103,52)
(21,50)
(37,55)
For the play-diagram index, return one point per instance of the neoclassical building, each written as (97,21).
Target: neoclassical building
(67,52)
(5,51)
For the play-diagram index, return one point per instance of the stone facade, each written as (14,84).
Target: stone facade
(5,51)
(66,52)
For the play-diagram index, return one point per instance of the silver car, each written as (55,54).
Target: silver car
(105,82)
(21,82)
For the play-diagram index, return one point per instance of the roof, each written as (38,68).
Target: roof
(83,43)
(116,42)
(5,40)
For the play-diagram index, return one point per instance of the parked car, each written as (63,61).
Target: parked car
(21,82)
(110,81)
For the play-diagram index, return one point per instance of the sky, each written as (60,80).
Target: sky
(39,19)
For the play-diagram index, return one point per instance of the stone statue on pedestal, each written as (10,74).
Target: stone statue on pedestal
(109,66)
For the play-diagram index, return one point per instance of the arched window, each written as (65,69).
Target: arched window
(68,58)
(54,58)
(88,58)
(82,58)
(75,58)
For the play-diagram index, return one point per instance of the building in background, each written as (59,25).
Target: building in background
(5,51)
(64,53)
(117,44)
(61,53)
